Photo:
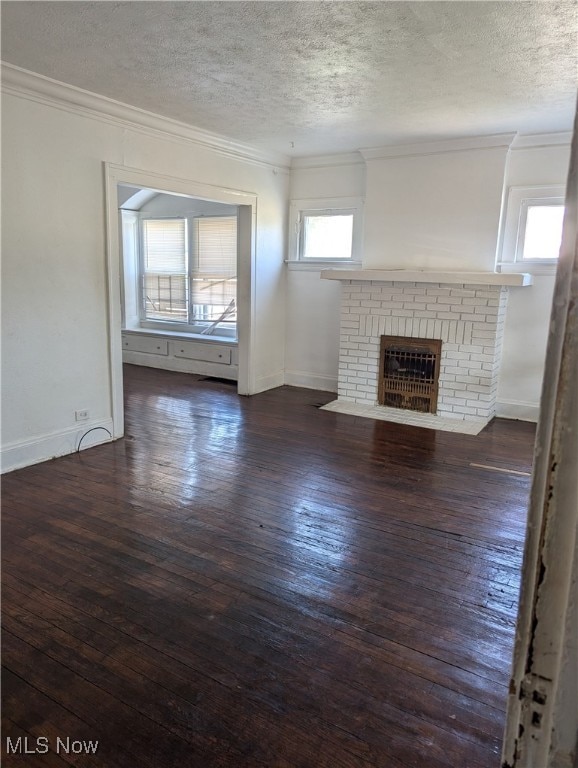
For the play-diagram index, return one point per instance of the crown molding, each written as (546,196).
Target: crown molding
(494,141)
(29,85)
(537,140)
(325,161)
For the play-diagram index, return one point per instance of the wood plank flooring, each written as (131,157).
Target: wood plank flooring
(255,582)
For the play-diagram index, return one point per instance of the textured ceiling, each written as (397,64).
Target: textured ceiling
(314,77)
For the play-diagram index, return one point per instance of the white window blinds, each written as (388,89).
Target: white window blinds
(165,249)
(190,280)
(214,275)
(165,269)
(215,245)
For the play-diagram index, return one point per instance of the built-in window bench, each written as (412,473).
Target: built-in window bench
(181,352)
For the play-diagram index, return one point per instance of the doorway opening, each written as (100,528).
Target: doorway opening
(179,264)
(181,271)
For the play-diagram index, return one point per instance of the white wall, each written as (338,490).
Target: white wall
(524,349)
(528,315)
(313,319)
(129,227)
(173,205)
(313,305)
(434,211)
(55,336)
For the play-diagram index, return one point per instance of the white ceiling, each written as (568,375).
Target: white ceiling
(314,77)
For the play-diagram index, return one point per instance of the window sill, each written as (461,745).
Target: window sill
(539,268)
(159,333)
(319,266)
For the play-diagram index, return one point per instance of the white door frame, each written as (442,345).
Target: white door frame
(247,205)
(542,717)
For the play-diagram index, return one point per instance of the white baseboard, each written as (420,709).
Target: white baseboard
(269,382)
(311,381)
(26,452)
(511,409)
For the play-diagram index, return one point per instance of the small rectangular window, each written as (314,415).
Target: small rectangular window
(531,230)
(542,233)
(325,232)
(326,235)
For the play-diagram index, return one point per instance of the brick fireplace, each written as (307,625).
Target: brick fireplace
(465,311)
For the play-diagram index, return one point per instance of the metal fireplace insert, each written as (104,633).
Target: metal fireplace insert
(409,372)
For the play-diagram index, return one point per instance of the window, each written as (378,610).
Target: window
(325,232)
(165,269)
(214,275)
(540,229)
(189,274)
(326,235)
(532,231)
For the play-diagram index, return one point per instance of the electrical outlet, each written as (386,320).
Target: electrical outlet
(81,415)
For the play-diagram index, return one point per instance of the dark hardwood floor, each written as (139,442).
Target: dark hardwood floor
(256,582)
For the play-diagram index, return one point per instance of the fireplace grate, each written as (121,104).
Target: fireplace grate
(409,373)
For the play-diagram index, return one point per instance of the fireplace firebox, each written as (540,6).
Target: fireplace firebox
(409,373)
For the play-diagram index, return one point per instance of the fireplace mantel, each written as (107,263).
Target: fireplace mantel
(521,279)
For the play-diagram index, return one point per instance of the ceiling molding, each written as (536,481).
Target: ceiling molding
(30,85)
(324,161)
(493,141)
(537,140)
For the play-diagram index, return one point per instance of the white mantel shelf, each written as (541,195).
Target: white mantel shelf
(429,276)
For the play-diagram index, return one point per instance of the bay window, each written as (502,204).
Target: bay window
(188,274)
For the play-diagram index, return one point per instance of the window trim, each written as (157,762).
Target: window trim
(520,198)
(334,206)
